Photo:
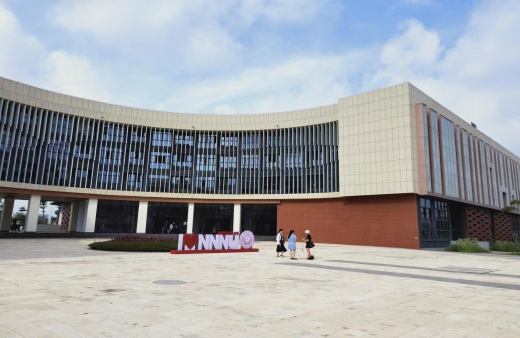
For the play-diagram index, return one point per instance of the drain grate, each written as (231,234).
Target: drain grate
(169,282)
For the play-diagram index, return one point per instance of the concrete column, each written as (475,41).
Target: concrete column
(90,220)
(87,215)
(82,216)
(60,215)
(7,215)
(142,216)
(31,220)
(73,218)
(191,212)
(237,217)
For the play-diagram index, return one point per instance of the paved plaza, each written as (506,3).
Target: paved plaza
(60,288)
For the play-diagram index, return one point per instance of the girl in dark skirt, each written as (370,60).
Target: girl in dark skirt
(280,241)
(309,244)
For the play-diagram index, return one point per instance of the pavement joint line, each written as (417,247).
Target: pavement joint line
(413,276)
(442,269)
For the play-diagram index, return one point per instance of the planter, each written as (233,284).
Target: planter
(483,245)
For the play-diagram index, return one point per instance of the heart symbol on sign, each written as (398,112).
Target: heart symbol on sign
(190,240)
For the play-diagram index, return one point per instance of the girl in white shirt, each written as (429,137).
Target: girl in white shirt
(280,247)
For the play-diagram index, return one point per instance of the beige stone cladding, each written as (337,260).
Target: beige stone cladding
(377,150)
(41,98)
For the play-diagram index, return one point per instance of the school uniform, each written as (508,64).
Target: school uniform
(280,247)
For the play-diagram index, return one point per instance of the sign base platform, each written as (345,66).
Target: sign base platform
(191,252)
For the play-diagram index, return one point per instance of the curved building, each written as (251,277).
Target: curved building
(389,167)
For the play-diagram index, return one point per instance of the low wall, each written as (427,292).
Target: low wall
(48,228)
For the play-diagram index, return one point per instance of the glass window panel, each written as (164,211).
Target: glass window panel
(212,218)
(434,221)
(167,218)
(436,155)
(116,216)
(427,149)
(449,157)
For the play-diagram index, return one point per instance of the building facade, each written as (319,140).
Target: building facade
(390,167)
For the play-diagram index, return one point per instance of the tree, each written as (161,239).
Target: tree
(43,206)
(20,215)
(56,216)
(513,207)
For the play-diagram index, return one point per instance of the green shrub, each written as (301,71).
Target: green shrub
(452,248)
(505,246)
(134,246)
(148,239)
(465,245)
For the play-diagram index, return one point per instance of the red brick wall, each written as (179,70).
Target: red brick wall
(503,231)
(477,224)
(386,220)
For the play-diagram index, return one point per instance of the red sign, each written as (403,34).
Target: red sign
(225,241)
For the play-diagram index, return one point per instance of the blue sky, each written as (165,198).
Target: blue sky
(248,56)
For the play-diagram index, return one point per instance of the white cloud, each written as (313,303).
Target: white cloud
(198,37)
(112,21)
(297,83)
(74,75)
(21,54)
(185,34)
(478,78)
(24,58)
(415,52)
(481,72)
(288,11)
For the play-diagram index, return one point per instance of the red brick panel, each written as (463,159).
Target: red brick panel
(503,230)
(477,224)
(386,220)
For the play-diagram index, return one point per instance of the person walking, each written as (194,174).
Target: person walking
(280,248)
(14,225)
(307,238)
(292,244)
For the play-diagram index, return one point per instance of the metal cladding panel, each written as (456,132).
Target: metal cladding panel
(40,146)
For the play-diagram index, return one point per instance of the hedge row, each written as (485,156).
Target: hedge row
(465,245)
(505,246)
(149,239)
(134,246)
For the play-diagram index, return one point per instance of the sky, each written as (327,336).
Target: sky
(255,56)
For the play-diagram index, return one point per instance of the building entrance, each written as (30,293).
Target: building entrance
(116,216)
(161,215)
(212,218)
(259,218)
(457,221)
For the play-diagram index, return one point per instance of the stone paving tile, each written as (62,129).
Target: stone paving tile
(22,328)
(8,333)
(59,288)
(94,329)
